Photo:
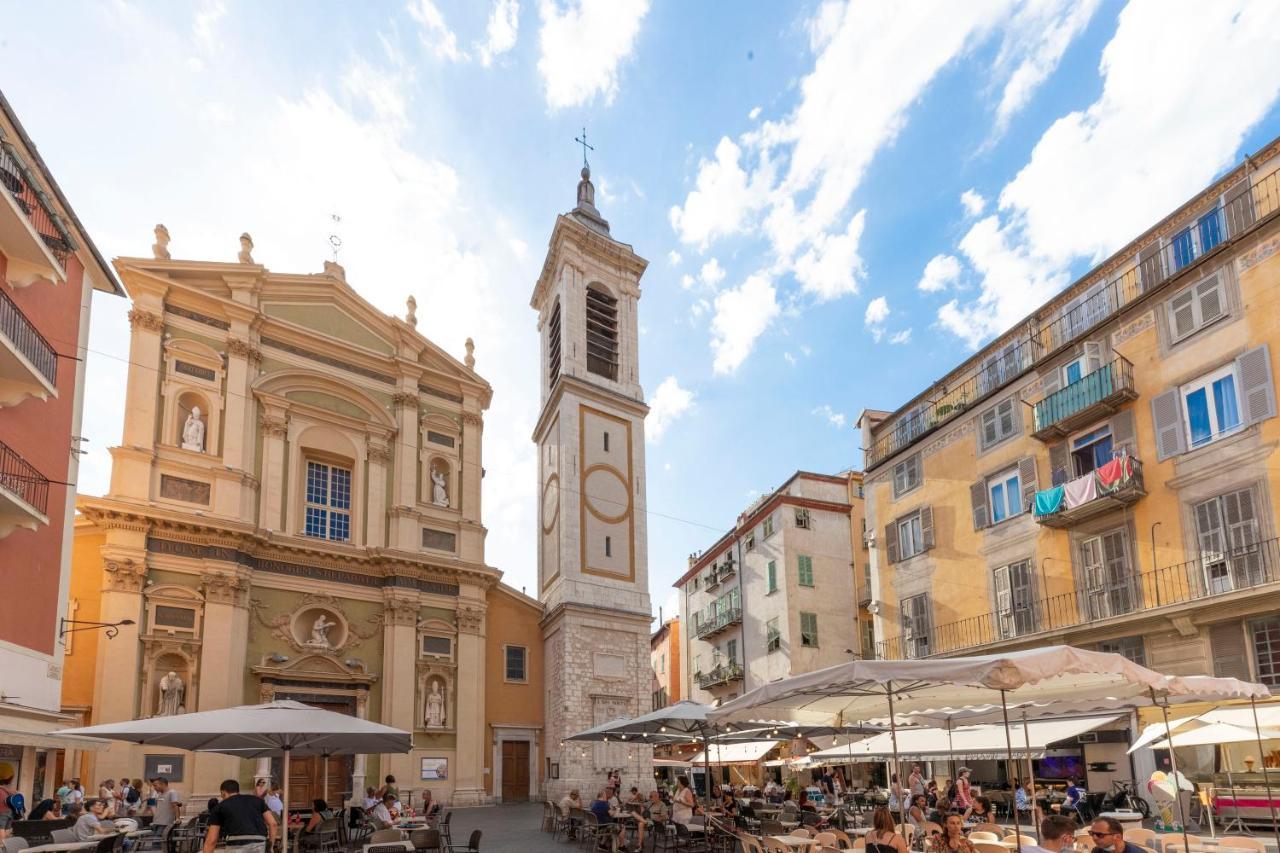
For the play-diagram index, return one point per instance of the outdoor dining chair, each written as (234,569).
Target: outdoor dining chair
(446,830)
(1027,840)
(63,836)
(389,847)
(14,844)
(425,839)
(826,839)
(473,843)
(992,828)
(690,842)
(771,827)
(383,836)
(989,847)
(842,839)
(1141,837)
(1241,842)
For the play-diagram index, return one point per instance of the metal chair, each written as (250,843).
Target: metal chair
(14,844)
(473,843)
(446,830)
(384,836)
(63,836)
(389,847)
(425,839)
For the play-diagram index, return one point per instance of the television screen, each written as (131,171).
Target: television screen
(1061,767)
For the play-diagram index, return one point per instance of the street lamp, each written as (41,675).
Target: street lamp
(111,628)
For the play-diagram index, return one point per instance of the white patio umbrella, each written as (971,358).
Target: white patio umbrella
(866,689)
(281,728)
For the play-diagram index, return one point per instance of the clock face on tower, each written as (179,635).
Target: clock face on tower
(550,503)
(606,485)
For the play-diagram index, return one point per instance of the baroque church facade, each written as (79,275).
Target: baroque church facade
(295,512)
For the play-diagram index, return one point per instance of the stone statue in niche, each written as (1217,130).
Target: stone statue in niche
(193,432)
(435,715)
(439,488)
(320,632)
(172,691)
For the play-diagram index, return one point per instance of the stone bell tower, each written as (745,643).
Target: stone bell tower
(593,574)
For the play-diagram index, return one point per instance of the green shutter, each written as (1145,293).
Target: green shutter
(806,570)
(773,576)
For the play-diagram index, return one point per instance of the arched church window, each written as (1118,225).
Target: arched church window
(602,333)
(553,343)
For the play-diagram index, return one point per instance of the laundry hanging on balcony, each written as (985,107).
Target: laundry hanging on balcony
(1115,473)
(1049,501)
(1080,491)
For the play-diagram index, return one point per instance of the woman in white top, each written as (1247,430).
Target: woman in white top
(683,803)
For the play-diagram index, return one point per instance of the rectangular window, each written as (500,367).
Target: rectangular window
(662,663)
(1109,582)
(731,651)
(1091,451)
(1264,635)
(328,509)
(868,639)
(804,570)
(751,540)
(608,546)
(809,630)
(1015,599)
(768,527)
(998,422)
(1196,307)
(516,663)
(910,536)
(802,519)
(917,626)
(1227,528)
(772,577)
(1005,493)
(772,636)
(1184,251)
(606,441)
(1210,406)
(1132,648)
(906,475)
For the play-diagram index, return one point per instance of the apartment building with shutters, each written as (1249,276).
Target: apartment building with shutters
(1104,473)
(776,595)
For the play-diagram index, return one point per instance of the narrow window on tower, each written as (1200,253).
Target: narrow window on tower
(608,546)
(602,333)
(606,441)
(553,341)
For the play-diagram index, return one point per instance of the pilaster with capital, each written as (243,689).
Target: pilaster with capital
(376,521)
(124,575)
(399,658)
(243,358)
(472,744)
(273,424)
(405,478)
(470,482)
(223,659)
(142,392)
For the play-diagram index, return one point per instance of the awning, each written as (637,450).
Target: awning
(735,753)
(40,740)
(670,762)
(975,742)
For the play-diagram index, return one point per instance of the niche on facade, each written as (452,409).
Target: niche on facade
(169,686)
(319,628)
(441,446)
(440,483)
(192,392)
(437,675)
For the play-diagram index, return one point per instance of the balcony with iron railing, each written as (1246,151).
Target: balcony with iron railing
(1117,484)
(31,234)
(711,623)
(24,493)
(1090,398)
(722,674)
(28,364)
(1209,577)
(711,579)
(1070,322)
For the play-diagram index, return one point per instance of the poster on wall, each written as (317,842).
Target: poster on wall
(168,766)
(435,768)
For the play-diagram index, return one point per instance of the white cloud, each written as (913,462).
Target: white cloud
(742,315)
(877,311)
(700,307)
(434,32)
(674,258)
(901,337)
(582,45)
(1037,36)
(384,91)
(836,419)
(687,281)
(832,266)
(973,202)
(205,29)
(754,114)
(939,273)
(666,405)
(501,32)
(721,201)
(790,359)
(1083,194)
(711,273)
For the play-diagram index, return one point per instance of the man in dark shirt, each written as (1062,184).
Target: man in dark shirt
(239,814)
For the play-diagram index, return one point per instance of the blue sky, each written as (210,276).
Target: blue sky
(838,201)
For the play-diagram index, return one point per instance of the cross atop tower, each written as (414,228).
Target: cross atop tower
(582,140)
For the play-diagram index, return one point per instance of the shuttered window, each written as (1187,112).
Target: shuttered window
(998,423)
(772,577)
(1230,657)
(906,475)
(1217,404)
(917,626)
(1197,306)
(1227,530)
(1264,636)
(602,333)
(1015,599)
(553,344)
(1005,491)
(809,630)
(1110,588)
(772,636)
(1133,648)
(804,570)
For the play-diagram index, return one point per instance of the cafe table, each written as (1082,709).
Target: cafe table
(63,846)
(796,842)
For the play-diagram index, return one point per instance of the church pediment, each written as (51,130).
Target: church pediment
(331,321)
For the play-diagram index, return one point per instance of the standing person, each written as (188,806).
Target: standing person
(895,792)
(275,805)
(683,804)
(240,814)
(389,787)
(952,839)
(916,780)
(129,796)
(883,836)
(64,793)
(964,790)
(168,805)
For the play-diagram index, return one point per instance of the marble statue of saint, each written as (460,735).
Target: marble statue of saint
(435,707)
(171,692)
(246,249)
(193,432)
(320,631)
(439,492)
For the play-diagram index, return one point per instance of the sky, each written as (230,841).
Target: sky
(838,200)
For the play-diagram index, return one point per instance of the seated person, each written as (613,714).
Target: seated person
(940,811)
(45,810)
(1057,834)
(90,825)
(658,811)
(636,798)
(371,799)
(1075,798)
(320,812)
(430,808)
(383,814)
(571,800)
(980,811)
(728,804)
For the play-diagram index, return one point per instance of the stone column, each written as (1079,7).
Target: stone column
(243,359)
(142,393)
(405,477)
(400,674)
(376,522)
(222,667)
(472,427)
(274,426)
(359,768)
(116,681)
(469,711)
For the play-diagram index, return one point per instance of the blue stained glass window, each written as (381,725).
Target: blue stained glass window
(1224,403)
(1198,416)
(1183,249)
(1210,228)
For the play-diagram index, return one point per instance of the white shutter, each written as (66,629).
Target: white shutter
(1257,389)
(1182,314)
(1004,601)
(989,436)
(1005,412)
(1166,417)
(1209,300)
(1092,356)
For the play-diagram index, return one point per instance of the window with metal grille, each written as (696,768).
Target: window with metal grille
(1132,648)
(328,511)
(553,343)
(602,333)
(1264,634)
(516,663)
(809,630)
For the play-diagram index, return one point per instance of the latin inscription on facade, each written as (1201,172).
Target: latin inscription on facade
(180,489)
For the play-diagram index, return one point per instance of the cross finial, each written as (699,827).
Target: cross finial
(335,241)
(582,140)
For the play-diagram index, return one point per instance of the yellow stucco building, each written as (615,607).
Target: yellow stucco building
(1104,473)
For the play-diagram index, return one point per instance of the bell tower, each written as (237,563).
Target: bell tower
(593,574)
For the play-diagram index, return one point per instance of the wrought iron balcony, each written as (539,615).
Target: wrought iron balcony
(30,231)
(1210,576)
(711,624)
(711,579)
(24,493)
(1043,335)
(28,364)
(1125,490)
(1088,399)
(724,673)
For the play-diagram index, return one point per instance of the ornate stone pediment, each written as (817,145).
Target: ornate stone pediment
(316,667)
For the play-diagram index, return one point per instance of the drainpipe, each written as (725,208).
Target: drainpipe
(1155,569)
(742,601)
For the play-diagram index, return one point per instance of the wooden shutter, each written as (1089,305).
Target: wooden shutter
(1166,419)
(1059,463)
(926,528)
(900,478)
(1122,432)
(1004,601)
(981,511)
(913,471)
(891,541)
(1151,266)
(1182,314)
(1257,390)
(1238,208)
(989,428)
(1051,381)
(1230,656)
(1092,356)
(1209,299)
(1030,482)
(1004,411)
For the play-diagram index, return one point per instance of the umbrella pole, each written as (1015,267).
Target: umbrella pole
(1266,780)
(325,759)
(1008,746)
(1173,764)
(284,817)
(893,736)
(1031,774)
(951,751)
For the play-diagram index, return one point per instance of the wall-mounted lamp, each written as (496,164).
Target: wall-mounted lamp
(111,628)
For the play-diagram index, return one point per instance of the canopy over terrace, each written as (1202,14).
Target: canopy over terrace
(972,742)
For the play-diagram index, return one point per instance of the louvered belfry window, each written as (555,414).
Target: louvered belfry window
(553,341)
(602,333)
